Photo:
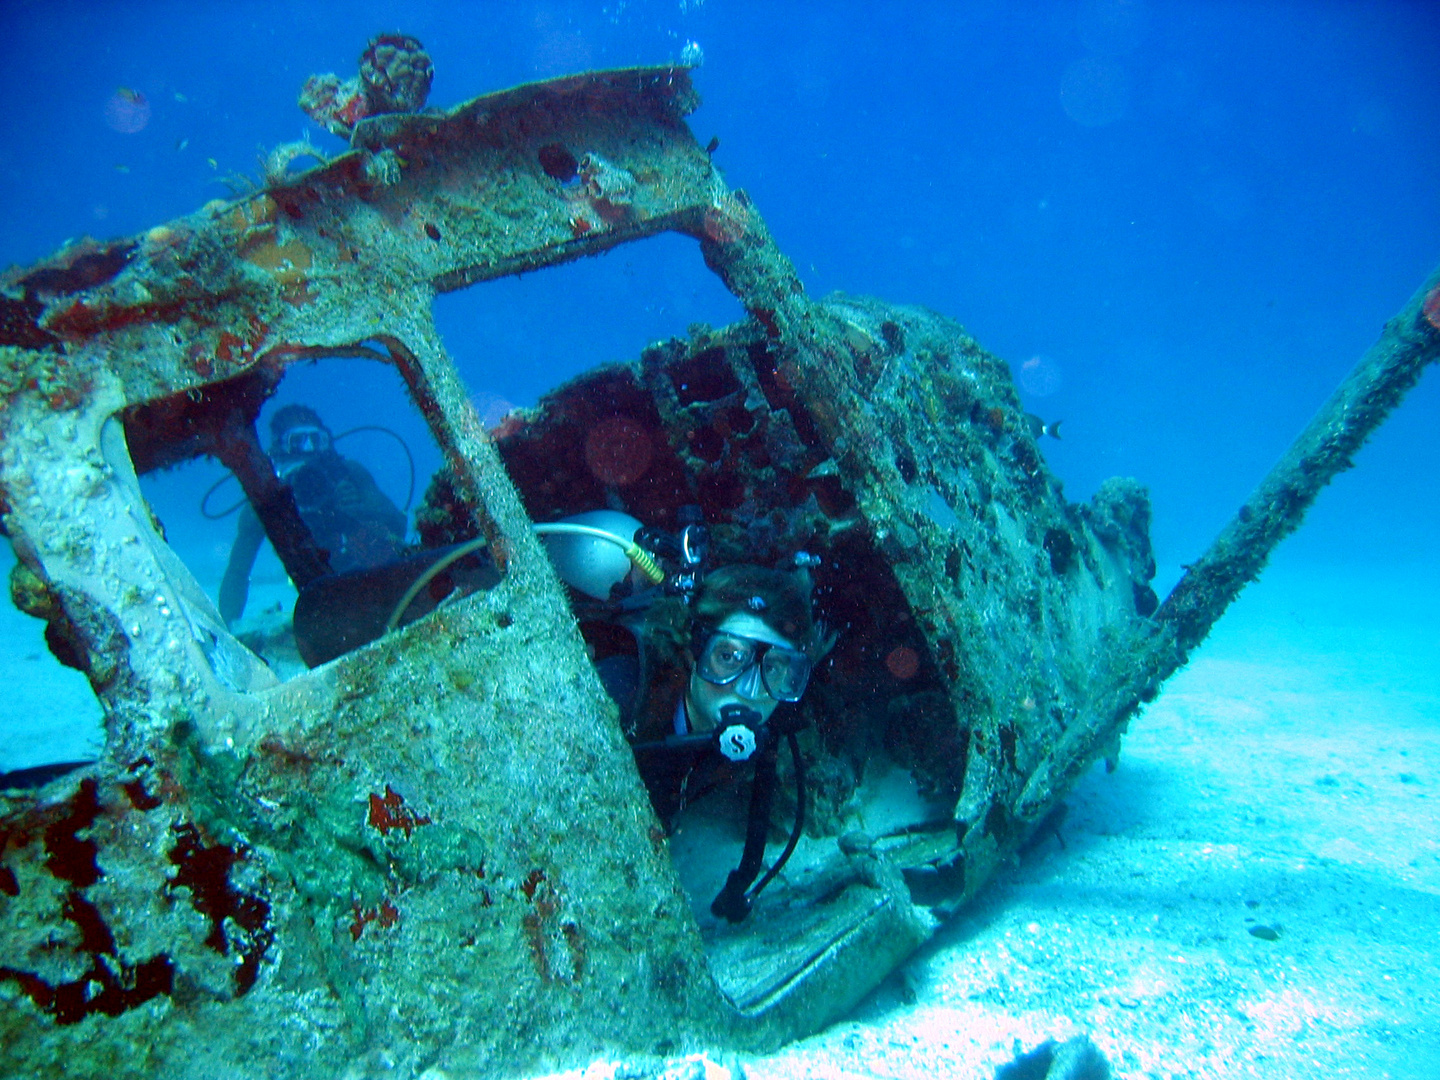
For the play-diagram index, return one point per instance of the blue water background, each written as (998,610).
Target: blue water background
(1198,214)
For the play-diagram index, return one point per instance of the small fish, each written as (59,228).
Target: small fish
(134,97)
(181,144)
(212,163)
(122,168)
(1039,427)
(181,97)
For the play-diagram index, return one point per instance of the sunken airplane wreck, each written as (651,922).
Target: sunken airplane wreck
(432,849)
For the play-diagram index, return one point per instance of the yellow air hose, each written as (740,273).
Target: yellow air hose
(642,559)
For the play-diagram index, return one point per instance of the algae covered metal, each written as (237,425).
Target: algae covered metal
(434,852)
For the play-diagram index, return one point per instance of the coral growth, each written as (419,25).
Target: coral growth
(385,916)
(395,72)
(395,76)
(728,221)
(610,189)
(382,168)
(1431,307)
(278,161)
(334,105)
(239,920)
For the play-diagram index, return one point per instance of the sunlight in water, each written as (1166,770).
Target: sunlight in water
(1041,376)
(127,111)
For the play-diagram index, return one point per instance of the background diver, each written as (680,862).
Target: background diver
(350,518)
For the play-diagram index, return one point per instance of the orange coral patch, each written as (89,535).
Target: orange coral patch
(253,213)
(289,261)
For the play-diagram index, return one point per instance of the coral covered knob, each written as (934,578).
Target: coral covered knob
(395,76)
(395,72)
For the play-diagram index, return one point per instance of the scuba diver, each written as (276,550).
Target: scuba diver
(754,643)
(352,521)
(748,642)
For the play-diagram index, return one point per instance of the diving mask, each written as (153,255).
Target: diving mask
(303,439)
(726,658)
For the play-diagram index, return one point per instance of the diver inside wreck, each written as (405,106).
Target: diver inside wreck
(752,644)
(424,784)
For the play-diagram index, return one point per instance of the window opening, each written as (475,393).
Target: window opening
(305,535)
(516,338)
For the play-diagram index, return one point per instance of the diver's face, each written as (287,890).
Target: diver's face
(705,698)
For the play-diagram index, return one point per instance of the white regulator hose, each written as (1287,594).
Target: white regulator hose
(643,560)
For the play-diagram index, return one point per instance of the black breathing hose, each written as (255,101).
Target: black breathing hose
(735,900)
(799,825)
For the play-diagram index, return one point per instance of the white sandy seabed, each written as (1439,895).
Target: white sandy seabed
(1286,782)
